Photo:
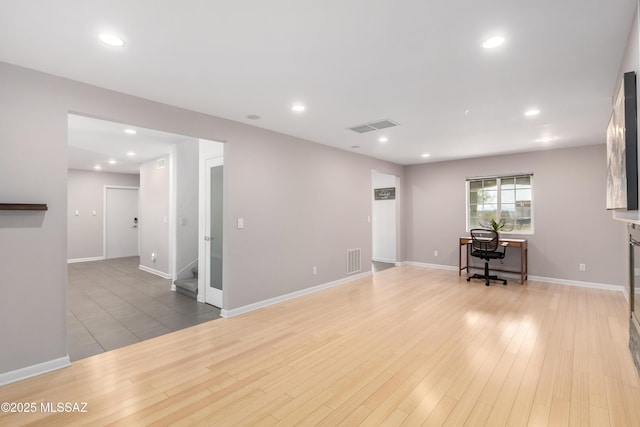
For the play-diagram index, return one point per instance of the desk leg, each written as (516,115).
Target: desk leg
(526,263)
(466,257)
(460,260)
(521,265)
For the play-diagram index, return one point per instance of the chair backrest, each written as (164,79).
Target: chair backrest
(485,240)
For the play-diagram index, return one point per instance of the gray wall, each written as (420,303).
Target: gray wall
(304,204)
(187,186)
(572,225)
(86,194)
(154,215)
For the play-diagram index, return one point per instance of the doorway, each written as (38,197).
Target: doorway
(123,305)
(384,220)
(121,222)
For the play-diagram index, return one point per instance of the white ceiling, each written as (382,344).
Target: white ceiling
(419,63)
(95,142)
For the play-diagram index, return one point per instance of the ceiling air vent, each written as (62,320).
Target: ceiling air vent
(362,128)
(378,124)
(382,124)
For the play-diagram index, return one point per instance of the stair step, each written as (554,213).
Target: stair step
(190,285)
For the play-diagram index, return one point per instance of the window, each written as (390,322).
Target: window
(505,199)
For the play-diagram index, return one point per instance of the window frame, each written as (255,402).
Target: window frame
(499,179)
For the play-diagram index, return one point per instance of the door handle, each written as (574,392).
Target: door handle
(207,238)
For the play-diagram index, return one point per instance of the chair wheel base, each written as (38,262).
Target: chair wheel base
(487,279)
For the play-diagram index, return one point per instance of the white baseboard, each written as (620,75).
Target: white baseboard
(156,272)
(95,258)
(271,301)
(436,266)
(387,260)
(555,281)
(603,286)
(33,370)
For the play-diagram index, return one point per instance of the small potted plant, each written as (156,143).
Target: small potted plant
(497,226)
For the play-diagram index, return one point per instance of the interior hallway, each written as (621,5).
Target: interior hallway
(112,304)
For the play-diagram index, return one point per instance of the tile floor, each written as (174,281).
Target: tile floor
(112,304)
(377,266)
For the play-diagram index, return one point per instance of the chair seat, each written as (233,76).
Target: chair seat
(487,255)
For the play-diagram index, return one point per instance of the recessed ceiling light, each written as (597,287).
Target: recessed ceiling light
(547,139)
(383,139)
(131,153)
(355,146)
(253,117)
(298,108)
(130,131)
(112,162)
(493,42)
(97,167)
(111,39)
(425,155)
(532,112)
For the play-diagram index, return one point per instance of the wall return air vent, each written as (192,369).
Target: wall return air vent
(377,125)
(353,260)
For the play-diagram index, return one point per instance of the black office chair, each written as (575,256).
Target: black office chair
(484,245)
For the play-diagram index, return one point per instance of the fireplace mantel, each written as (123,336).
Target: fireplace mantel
(629,217)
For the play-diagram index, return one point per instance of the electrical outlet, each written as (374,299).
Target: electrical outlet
(435,253)
(583,267)
(315,270)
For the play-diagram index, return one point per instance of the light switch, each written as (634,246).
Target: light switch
(183,221)
(240,222)
(94,213)
(77,212)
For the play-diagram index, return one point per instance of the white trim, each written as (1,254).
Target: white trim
(33,370)
(271,301)
(95,258)
(173,212)
(436,266)
(387,260)
(593,285)
(156,272)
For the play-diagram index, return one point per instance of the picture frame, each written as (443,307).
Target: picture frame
(622,148)
(384,193)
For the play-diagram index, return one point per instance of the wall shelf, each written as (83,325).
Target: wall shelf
(23,207)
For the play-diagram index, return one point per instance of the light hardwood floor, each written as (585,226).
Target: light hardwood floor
(409,346)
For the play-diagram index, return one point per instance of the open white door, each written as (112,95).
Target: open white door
(213,231)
